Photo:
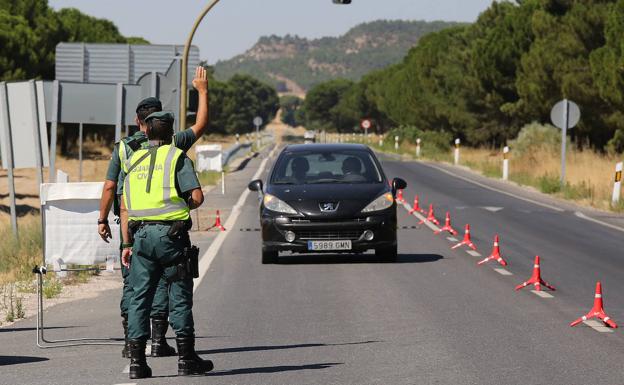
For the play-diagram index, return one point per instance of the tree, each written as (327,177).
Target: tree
(289,105)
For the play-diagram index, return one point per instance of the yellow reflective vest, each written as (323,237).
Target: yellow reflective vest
(153,197)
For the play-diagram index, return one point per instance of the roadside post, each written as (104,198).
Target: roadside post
(222,182)
(617,185)
(237,139)
(418,148)
(396,143)
(4,107)
(457,142)
(257,122)
(506,163)
(565,115)
(380,140)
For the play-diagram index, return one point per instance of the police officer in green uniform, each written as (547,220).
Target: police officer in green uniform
(122,151)
(159,189)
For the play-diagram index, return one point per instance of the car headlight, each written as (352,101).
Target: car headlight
(381,203)
(275,204)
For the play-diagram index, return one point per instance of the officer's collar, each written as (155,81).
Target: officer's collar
(156,143)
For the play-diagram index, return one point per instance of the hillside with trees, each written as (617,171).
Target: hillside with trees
(483,82)
(292,62)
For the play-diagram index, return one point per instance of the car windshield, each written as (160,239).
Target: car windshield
(317,167)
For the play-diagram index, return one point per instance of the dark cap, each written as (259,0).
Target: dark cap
(150,102)
(161,115)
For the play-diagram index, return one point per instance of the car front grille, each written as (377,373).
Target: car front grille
(324,234)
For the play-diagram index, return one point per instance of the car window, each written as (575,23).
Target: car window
(316,167)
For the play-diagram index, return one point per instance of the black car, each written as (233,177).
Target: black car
(328,198)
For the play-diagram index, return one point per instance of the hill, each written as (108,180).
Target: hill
(295,64)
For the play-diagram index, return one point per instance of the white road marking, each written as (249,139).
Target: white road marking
(474,253)
(502,271)
(452,239)
(494,188)
(542,294)
(609,225)
(213,249)
(598,326)
(126,369)
(127,383)
(421,218)
(492,209)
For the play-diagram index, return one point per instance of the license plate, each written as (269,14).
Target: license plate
(329,245)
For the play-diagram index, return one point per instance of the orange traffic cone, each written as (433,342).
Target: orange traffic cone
(430,217)
(217,223)
(495,254)
(416,207)
(466,241)
(399,197)
(447,226)
(597,311)
(536,279)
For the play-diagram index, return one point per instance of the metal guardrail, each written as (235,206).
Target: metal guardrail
(231,152)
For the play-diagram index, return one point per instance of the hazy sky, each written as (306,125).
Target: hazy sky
(233,26)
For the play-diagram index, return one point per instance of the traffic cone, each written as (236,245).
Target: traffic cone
(536,279)
(495,254)
(217,223)
(416,207)
(430,217)
(597,311)
(466,241)
(399,197)
(447,226)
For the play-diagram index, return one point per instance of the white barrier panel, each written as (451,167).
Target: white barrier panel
(209,157)
(70,213)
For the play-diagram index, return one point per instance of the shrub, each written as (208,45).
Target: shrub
(535,136)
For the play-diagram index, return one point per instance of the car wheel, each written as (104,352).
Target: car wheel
(269,256)
(387,254)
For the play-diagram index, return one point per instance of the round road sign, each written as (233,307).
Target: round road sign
(366,124)
(257,121)
(557,114)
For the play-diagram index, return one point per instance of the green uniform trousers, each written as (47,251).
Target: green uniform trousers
(161,297)
(153,256)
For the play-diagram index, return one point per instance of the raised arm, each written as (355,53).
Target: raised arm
(200,82)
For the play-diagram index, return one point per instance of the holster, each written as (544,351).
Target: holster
(179,228)
(186,267)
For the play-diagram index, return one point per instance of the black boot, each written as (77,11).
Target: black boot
(125,352)
(189,363)
(138,363)
(160,347)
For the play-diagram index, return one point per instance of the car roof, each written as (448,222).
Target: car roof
(325,147)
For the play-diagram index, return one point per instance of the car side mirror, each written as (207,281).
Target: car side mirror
(398,184)
(255,185)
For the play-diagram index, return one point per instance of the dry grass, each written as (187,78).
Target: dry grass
(17,257)
(589,175)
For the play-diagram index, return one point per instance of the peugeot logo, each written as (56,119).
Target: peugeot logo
(328,206)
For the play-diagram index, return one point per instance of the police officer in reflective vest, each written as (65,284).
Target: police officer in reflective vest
(121,152)
(160,188)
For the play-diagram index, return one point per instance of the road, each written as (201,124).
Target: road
(434,317)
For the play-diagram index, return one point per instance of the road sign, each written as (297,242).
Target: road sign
(565,110)
(366,124)
(257,121)
(565,114)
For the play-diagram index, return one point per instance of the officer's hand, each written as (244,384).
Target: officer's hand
(105,232)
(200,82)
(126,254)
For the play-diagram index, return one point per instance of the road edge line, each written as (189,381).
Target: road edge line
(493,188)
(215,246)
(588,218)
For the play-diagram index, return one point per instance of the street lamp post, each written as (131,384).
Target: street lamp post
(185,55)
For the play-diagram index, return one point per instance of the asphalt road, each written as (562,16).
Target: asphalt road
(434,317)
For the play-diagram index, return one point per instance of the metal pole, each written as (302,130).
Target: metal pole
(185,55)
(257,138)
(119,120)
(56,102)
(36,131)
(4,100)
(80,152)
(564,133)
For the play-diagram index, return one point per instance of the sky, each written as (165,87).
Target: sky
(234,26)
